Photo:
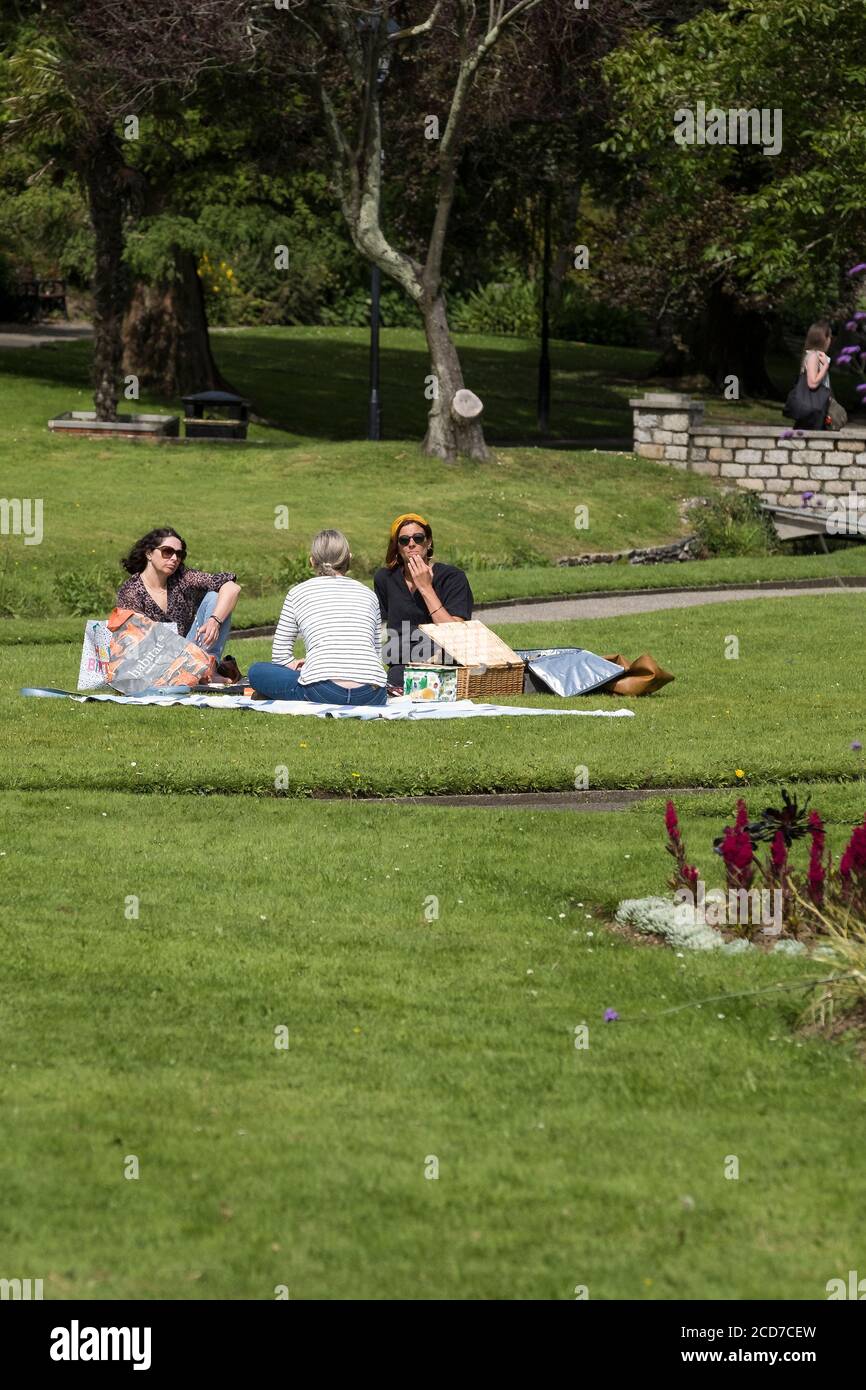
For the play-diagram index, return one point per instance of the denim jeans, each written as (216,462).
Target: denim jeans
(282,683)
(205,608)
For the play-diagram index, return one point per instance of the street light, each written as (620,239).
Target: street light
(544,359)
(371,24)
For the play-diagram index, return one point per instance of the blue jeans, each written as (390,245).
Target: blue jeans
(282,683)
(205,608)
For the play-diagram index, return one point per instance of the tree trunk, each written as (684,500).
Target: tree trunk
(102,170)
(165,334)
(446,436)
(730,340)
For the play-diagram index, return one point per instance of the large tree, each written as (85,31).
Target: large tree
(81,72)
(339,49)
(718,235)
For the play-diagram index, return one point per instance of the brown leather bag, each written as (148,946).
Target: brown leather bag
(641,677)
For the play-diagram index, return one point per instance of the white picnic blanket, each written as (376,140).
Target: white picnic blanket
(398,708)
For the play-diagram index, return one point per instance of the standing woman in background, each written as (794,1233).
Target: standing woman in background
(816,365)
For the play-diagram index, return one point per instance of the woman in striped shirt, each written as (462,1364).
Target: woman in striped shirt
(338,621)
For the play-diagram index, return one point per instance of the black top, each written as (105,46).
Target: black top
(402,612)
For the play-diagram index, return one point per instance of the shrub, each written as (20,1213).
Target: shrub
(734,524)
(508,306)
(86,593)
(586,320)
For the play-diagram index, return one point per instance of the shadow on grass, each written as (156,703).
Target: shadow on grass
(315,382)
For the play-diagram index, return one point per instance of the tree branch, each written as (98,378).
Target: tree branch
(423,28)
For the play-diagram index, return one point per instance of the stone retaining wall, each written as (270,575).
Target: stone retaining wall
(670,428)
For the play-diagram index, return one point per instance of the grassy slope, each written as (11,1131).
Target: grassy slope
(258,1167)
(98,495)
(783,709)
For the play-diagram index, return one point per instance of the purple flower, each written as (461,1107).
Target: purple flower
(856,745)
(798,434)
(861,388)
(851,325)
(611,1016)
(855,269)
(860,314)
(787,434)
(805,498)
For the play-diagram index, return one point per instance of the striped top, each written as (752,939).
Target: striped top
(339,623)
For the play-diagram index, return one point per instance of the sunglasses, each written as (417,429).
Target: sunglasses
(404,540)
(166,551)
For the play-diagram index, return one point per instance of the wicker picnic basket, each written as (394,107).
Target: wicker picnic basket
(485,664)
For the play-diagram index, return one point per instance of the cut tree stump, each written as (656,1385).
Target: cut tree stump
(465,406)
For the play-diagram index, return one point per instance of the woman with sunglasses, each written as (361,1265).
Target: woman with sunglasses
(412,589)
(162,588)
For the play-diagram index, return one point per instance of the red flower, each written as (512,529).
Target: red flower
(817,873)
(742,815)
(736,850)
(778,854)
(854,858)
(671,823)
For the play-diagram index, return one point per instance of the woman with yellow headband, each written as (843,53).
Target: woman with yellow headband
(412,589)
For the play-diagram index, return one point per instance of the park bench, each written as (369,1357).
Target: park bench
(36,298)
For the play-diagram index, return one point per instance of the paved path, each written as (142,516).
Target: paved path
(609,800)
(614,605)
(631,601)
(30,335)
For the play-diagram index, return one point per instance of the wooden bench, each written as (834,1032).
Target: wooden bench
(35,298)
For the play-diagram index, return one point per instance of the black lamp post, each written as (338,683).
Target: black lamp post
(374,414)
(544,359)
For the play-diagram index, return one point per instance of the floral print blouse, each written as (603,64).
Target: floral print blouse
(185,590)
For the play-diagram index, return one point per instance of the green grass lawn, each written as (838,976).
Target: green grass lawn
(454,1038)
(152,1035)
(784,709)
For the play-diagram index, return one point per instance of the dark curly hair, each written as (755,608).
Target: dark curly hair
(136,560)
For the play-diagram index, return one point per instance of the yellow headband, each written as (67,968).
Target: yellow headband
(407,516)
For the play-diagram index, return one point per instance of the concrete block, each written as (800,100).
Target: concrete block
(823,470)
(763,470)
(733,470)
(748,455)
(707,467)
